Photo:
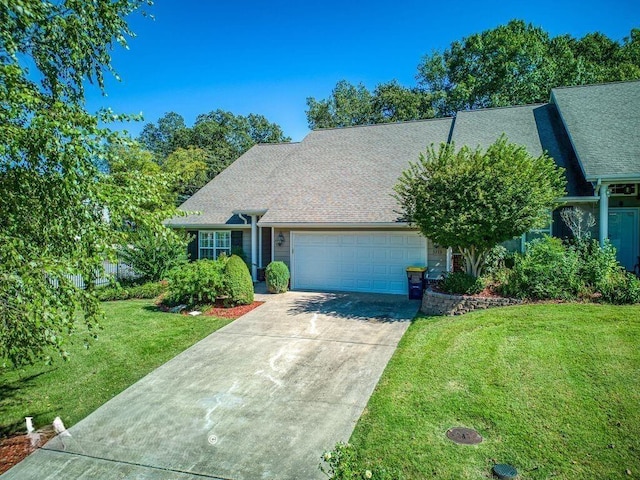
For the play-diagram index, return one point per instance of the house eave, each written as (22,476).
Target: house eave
(341,225)
(210,226)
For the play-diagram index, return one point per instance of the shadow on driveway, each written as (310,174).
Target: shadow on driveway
(357,306)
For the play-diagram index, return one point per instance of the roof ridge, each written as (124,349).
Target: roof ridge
(401,122)
(601,84)
(268,144)
(473,110)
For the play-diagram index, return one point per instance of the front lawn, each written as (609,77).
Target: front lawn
(553,389)
(135,340)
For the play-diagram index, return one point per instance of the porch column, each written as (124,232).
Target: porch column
(254,248)
(260,247)
(604,213)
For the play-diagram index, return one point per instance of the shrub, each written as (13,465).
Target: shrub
(125,292)
(154,253)
(495,260)
(462,283)
(238,284)
(621,288)
(197,282)
(597,265)
(342,463)
(277,276)
(547,270)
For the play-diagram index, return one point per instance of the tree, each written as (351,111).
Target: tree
(222,135)
(395,103)
(188,166)
(472,200)
(59,215)
(348,105)
(159,138)
(518,63)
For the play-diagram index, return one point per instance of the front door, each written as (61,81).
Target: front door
(623,234)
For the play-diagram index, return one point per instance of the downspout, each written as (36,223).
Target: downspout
(244,219)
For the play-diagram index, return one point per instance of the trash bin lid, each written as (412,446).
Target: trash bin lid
(416,269)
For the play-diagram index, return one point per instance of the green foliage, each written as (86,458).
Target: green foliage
(512,64)
(518,64)
(496,259)
(597,264)
(216,139)
(472,200)
(551,269)
(350,105)
(117,291)
(462,283)
(547,270)
(54,198)
(342,463)
(153,253)
(277,277)
(199,282)
(188,166)
(621,288)
(238,285)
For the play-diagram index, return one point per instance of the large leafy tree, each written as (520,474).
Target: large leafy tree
(519,63)
(512,64)
(59,214)
(350,105)
(472,200)
(217,138)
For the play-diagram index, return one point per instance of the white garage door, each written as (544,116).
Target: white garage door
(355,261)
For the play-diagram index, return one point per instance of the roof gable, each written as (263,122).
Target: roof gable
(603,122)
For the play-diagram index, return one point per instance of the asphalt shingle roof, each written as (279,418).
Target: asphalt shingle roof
(337,176)
(603,122)
(345,176)
(537,127)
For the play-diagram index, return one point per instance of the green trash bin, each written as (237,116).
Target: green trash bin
(415,279)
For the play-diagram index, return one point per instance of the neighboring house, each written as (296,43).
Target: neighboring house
(325,207)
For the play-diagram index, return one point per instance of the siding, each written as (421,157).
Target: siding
(282,253)
(436,259)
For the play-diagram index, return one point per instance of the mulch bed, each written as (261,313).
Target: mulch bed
(219,310)
(14,449)
(231,312)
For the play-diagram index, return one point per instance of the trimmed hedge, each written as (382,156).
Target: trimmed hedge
(199,282)
(238,284)
(277,277)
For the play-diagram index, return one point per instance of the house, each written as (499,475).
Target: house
(324,206)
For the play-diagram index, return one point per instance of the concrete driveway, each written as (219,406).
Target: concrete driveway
(261,398)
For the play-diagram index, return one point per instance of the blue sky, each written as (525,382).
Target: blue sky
(268,57)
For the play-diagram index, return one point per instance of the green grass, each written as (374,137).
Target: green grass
(135,339)
(553,389)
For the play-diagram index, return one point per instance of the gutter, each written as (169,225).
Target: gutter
(314,225)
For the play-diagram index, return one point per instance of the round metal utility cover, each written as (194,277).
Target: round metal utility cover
(504,471)
(466,436)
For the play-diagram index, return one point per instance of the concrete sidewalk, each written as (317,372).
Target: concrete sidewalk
(261,398)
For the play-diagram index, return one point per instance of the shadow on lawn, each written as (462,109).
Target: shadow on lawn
(358,306)
(15,393)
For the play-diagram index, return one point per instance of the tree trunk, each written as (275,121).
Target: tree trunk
(473,260)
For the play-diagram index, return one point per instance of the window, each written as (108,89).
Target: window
(212,244)
(622,189)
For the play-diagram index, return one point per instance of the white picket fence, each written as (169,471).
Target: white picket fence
(112,271)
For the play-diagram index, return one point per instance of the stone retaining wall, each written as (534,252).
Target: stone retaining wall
(436,303)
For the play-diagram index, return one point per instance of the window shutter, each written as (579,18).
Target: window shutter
(192,248)
(236,239)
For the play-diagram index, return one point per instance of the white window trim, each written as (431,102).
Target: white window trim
(216,250)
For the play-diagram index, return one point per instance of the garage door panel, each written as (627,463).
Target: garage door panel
(362,261)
